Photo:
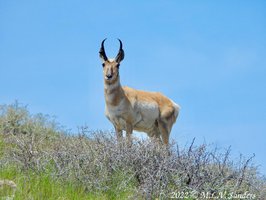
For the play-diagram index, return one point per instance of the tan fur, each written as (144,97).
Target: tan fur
(129,109)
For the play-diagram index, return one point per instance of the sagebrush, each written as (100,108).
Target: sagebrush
(101,165)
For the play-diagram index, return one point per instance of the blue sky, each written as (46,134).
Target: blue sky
(208,56)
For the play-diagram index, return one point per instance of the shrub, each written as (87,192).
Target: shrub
(146,169)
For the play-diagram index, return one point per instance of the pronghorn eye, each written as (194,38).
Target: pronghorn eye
(103,65)
(117,65)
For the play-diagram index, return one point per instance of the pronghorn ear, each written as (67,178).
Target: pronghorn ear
(102,58)
(120,56)
(102,52)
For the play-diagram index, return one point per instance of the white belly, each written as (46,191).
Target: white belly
(144,115)
(149,114)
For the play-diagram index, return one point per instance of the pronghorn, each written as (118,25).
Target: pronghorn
(129,109)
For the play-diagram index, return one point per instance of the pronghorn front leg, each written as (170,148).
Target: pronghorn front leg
(129,130)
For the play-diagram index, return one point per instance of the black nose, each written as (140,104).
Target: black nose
(109,76)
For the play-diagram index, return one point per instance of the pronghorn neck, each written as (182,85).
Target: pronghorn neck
(113,92)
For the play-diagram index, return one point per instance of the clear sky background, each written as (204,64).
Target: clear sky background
(208,56)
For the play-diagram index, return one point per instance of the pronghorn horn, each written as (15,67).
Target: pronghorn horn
(102,51)
(120,55)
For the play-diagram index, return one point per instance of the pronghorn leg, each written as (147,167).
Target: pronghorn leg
(119,133)
(157,139)
(155,134)
(129,130)
(164,131)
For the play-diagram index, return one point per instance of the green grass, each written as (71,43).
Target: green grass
(41,186)
(35,186)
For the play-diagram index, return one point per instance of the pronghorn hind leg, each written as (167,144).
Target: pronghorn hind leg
(155,134)
(119,134)
(165,124)
(164,131)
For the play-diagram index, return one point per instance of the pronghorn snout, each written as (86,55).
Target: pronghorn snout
(109,73)
(108,76)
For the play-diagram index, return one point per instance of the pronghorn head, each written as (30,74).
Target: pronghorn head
(111,66)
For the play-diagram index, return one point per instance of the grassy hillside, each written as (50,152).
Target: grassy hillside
(39,160)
